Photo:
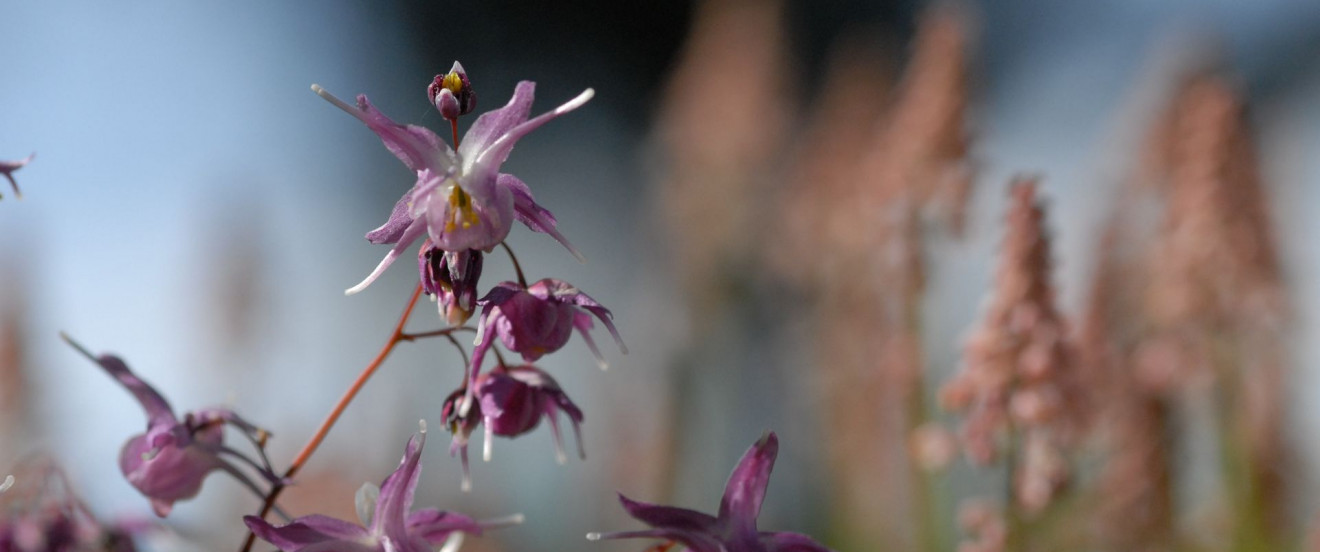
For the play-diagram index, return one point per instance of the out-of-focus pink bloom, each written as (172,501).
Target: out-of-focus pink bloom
(734,529)
(388,524)
(170,460)
(7,169)
(43,514)
(460,199)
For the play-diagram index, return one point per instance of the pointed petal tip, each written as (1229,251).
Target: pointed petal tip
(593,536)
(9,482)
(421,425)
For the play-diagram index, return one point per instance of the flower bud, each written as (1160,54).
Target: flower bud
(451,278)
(452,93)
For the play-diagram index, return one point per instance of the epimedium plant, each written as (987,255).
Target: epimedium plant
(461,207)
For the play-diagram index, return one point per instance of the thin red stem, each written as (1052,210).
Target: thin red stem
(319,436)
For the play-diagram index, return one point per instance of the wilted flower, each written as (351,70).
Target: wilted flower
(538,320)
(7,168)
(452,93)
(451,277)
(460,200)
(170,460)
(734,530)
(387,525)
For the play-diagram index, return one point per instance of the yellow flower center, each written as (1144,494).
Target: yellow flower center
(461,212)
(453,83)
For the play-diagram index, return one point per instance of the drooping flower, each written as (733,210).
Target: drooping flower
(7,169)
(538,320)
(452,93)
(510,401)
(387,524)
(514,399)
(460,200)
(450,277)
(734,529)
(169,462)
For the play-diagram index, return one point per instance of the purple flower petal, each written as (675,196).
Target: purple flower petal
(492,125)
(409,235)
(417,147)
(746,488)
(536,217)
(668,516)
(396,493)
(435,525)
(158,409)
(400,219)
(490,156)
(314,532)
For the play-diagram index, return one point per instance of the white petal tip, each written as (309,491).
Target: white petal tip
(453,543)
(466,485)
(593,536)
(560,457)
(9,482)
(421,426)
(352,291)
(317,89)
(604,366)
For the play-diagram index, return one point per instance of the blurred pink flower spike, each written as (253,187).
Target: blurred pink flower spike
(7,168)
(734,530)
(387,524)
(169,462)
(460,200)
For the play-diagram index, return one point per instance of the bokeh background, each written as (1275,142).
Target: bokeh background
(194,208)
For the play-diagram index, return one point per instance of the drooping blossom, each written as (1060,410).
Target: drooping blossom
(7,169)
(450,278)
(510,401)
(170,460)
(387,523)
(452,93)
(42,513)
(539,319)
(734,529)
(460,200)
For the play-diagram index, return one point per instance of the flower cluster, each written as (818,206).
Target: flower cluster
(465,207)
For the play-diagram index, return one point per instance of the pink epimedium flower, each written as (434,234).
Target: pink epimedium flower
(387,523)
(169,462)
(7,169)
(511,401)
(734,529)
(539,320)
(460,200)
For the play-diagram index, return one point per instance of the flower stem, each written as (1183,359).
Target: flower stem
(312,444)
(516,267)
